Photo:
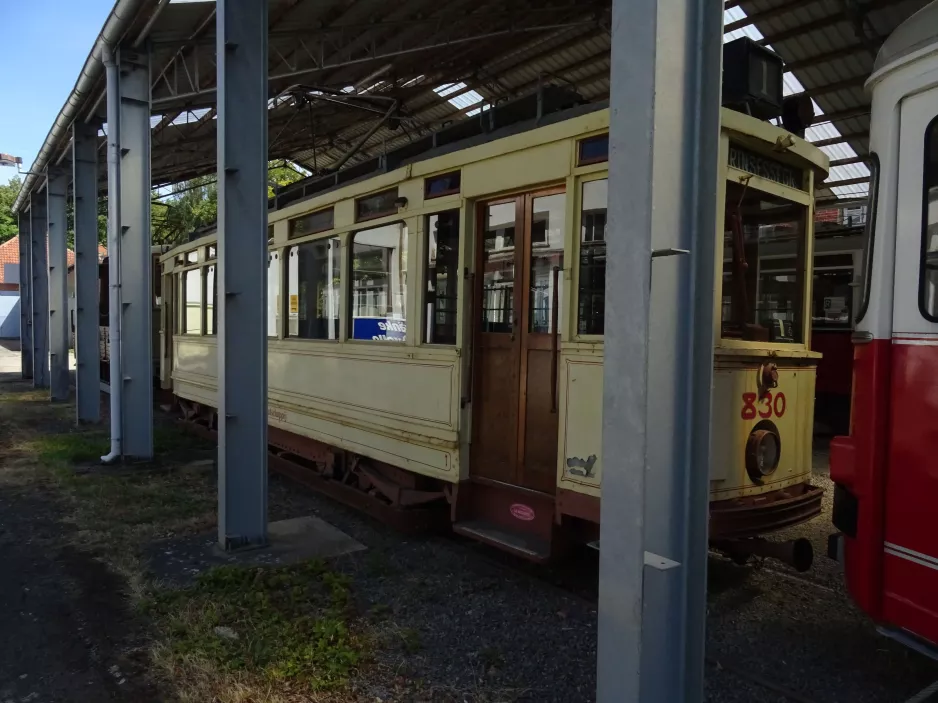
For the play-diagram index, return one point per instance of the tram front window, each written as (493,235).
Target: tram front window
(763,267)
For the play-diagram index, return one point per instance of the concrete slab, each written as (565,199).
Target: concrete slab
(10,358)
(291,541)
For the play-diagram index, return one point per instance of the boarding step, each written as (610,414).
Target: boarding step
(514,518)
(523,545)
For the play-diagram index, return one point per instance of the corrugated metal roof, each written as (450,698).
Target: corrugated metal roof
(336,65)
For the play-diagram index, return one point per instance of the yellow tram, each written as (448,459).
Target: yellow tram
(435,321)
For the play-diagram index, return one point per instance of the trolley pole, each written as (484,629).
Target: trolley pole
(664,139)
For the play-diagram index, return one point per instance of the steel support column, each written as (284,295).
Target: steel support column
(85,200)
(664,137)
(136,268)
(56,193)
(242,264)
(26,322)
(39,279)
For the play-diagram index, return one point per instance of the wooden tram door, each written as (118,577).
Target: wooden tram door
(518,303)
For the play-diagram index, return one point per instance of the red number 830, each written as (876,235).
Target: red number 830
(764,407)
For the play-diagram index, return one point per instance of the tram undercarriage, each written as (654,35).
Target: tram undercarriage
(410,502)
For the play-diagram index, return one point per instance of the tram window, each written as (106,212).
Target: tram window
(928,290)
(211,300)
(498,266)
(377,205)
(547,221)
(313,282)
(192,256)
(192,301)
(593,150)
(763,267)
(445,184)
(379,283)
(833,296)
(592,279)
(274,305)
(442,277)
(311,223)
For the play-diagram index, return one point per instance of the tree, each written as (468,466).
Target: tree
(284,173)
(191,205)
(70,223)
(9,224)
(188,206)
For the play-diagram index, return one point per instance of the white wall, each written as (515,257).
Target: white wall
(9,314)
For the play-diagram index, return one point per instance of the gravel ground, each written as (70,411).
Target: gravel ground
(461,622)
(466,624)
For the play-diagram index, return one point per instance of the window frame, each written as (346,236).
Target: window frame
(573,321)
(179,306)
(349,287)
(452,191)
(183,308)
(931,133)
(378,215)
(580,161)
(285,287)
(796,197)
(293,220)
(280,332)
(206,291)
(869,235)
(425,255)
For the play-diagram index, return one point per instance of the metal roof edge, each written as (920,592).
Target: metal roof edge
(116,24)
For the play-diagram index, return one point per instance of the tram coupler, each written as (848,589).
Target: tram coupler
(797,553)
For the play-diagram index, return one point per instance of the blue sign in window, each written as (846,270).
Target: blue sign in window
(379,329)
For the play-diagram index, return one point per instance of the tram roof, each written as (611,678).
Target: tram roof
(336,67)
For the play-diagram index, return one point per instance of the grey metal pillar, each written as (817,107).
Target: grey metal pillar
(136,269)
(241,51)
(39,278)
(85,200)
(664,137)
(56,192)
(26,322)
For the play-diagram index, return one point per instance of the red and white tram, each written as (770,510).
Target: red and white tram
(886,471)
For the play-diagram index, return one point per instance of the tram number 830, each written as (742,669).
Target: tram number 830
(765,407)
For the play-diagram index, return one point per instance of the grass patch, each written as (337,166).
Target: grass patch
(287,627)
(238,634)
(117,510)
(59,450)
(133,506)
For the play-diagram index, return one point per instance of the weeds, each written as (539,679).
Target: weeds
(410,640)
(289,624)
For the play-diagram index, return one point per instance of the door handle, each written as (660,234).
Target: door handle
(554,305)
(469,344)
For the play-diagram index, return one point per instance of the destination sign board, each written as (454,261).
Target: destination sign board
(764,167)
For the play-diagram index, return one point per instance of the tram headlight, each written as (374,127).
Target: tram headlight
(763,452)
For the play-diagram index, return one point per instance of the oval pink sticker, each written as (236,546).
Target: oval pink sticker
(522,512)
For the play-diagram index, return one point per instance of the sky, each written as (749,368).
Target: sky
(46,46)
